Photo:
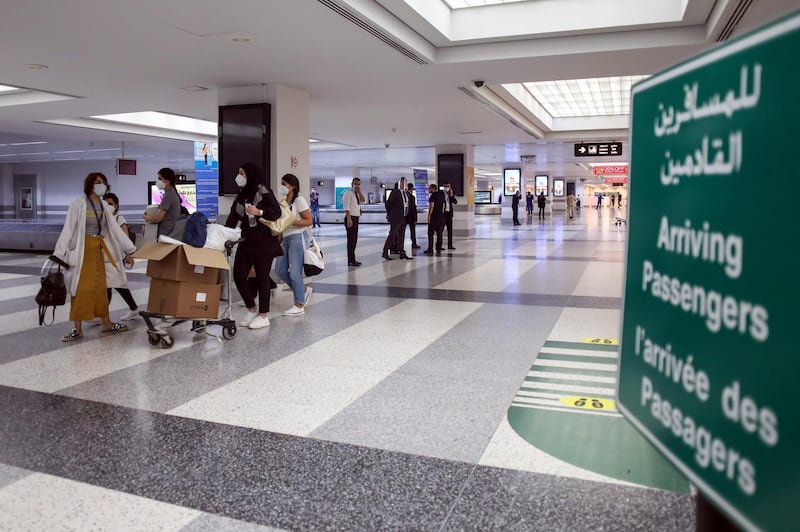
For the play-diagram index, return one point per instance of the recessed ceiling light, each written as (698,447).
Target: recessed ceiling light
(313,140)
(241,40)
(27,143)
(34,66)
(194,88)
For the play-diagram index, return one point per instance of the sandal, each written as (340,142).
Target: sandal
(115,327)
(73,335)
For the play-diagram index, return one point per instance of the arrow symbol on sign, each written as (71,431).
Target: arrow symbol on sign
(582,149)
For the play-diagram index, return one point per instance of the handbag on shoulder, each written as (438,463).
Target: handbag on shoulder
(53,292)
(285,220)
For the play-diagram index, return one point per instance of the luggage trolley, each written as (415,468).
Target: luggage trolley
(156,335)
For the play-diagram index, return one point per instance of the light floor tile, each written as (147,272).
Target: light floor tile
(73,363)
(29,289)
(298,393)
(492,276)
(218,523)
(6,276)
(46,502)
(575,324)
(29,319)
(508,450)
(601,279)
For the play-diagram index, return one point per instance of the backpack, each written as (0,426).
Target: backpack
(195,233)
(53,292)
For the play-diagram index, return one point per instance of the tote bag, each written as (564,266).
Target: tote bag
(285,220)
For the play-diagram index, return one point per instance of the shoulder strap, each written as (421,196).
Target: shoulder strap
(260,191)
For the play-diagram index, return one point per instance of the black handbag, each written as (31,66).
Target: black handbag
(53,292)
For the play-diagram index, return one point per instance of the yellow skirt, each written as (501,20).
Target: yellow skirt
(91,299)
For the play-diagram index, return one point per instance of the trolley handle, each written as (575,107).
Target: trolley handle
(229,245)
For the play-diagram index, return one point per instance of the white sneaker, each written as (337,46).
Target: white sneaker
(248,319)
(295,311)
(260,322)
(128,316)
(308,294)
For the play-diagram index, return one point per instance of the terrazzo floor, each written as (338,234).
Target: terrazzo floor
(385,407)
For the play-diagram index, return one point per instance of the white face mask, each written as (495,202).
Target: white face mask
(99,189)
(283,191)
(160,184)
(241,180)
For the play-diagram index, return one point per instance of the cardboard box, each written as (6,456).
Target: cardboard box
(184,300)
(172,262)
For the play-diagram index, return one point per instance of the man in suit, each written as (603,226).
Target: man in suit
(397,206)
(515,207)
(450,200)
(411,220)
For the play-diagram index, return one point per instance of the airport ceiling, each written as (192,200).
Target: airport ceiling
(377,72)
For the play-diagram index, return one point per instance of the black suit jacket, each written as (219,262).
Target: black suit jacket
(412,209)
(394,207)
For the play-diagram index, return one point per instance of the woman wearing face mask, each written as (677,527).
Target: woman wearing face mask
(260,246)
(290,266)
(169,210)
(117,278)
(89,237)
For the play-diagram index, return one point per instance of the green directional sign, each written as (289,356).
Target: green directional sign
(708,360)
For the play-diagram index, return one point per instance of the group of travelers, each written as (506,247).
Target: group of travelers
(96,243)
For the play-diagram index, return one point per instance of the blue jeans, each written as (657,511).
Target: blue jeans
(315,215)
(289,266)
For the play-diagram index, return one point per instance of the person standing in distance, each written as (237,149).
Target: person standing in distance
(436,203)
(515,206)
(314,203)
(571,203)
(541,201)
(396,212)
(352,200)
(450,200)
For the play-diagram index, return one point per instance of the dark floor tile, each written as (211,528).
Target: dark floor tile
(245,474)
(501,499)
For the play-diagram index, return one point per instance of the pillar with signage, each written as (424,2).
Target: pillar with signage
(708,369)
(464,211)
(289,128)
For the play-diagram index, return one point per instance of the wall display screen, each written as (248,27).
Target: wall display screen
(186,190)
(126,166)
(541,185)
(244,137)
(483,196)
(558,188)
(450,169)
(511,180)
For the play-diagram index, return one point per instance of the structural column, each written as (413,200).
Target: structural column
(464,211)
(289,128)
